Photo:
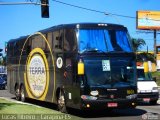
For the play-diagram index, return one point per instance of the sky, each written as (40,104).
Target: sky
(21,20)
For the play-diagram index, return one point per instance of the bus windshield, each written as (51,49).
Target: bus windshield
(116,71)
(103,40)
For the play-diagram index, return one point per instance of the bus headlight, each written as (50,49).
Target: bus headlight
(94,93)
(87,97)
(133,96)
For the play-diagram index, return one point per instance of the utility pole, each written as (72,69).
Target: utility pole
(155,42)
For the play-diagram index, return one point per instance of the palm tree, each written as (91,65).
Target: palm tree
(145,56)
(138,43)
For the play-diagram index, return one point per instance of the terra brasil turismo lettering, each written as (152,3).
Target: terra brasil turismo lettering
(37,70)
(37,75)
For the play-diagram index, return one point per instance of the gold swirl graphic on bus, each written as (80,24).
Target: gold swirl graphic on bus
(29,90)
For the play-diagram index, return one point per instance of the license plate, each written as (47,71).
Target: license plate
(146,99)
(112,104)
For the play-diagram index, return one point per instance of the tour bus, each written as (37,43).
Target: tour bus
(86,66)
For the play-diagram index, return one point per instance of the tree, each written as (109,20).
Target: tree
(138,43)
(145,56)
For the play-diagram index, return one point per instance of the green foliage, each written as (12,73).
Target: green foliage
(3,61)
(137,43)
(157,75)
(145,56)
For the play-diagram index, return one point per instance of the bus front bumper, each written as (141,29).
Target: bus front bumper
(108,104)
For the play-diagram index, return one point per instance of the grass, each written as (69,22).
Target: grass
(19,109)
(157,75)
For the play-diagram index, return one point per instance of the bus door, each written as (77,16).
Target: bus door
(70,56)
(58,56)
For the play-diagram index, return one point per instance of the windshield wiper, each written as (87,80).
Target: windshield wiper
(117,52)
(94,50)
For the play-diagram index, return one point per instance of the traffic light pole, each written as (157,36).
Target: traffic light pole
(155,40)
(43,3)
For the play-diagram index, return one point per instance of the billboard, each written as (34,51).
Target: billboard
(148,20)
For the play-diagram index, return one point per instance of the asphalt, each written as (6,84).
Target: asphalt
(126,114)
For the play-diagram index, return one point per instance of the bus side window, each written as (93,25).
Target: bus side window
(27,47)
(17,48)
(70,40)
(58,38)
(38,42)
(49,38)
(10,49)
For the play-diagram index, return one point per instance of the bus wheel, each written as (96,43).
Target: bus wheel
(61,102)
(17,93)
(22,93)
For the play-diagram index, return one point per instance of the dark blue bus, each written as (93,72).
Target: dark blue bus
(85,66)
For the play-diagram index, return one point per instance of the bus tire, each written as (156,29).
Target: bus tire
(61,102)
(17,93)
(22,94)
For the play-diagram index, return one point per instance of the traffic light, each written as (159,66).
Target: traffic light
(0,52)
(44,8)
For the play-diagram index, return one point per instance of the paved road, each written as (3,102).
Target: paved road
(5,93)
(128,114)
(142,112)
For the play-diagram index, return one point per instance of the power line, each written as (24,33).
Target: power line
(19,3)
(22,3)
(98,11)
(146,32)
(76,6)
(93,10)
(80,7)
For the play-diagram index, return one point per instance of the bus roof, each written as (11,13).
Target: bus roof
(84,25)
(76,25)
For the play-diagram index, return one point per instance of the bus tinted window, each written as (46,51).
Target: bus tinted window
(70,43)
(50,40)
(38,42)
(120,71)
(104,40)
(58,39)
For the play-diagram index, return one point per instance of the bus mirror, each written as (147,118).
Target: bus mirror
(80,67)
